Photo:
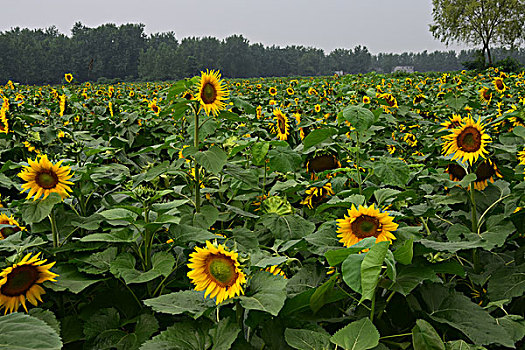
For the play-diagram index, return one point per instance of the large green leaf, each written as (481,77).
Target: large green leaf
(23,332)
(358,335)
(181,336)
(259,152)
(266,292)
(283,159)
(351,271)
(36,211)
(425,337)
(224,334)
(124,266)
(177,303)
(288,227)
(392,171)
(335,257)
(318,136)
(371,268)
(460,312)
(70,279)
(212,160)
(304,339)
(360,118)
(507,282)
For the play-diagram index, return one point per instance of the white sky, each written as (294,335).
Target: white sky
(381,25)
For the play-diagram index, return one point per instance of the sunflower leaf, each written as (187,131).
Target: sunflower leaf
(318,136)
(266,293)
(392,171)
(305,339)
(360,118)
(188,301)
(38,210)
(358,335)
(213,160)
(424,337)
(371,268)
(24,332)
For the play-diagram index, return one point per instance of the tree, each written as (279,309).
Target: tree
(479,22)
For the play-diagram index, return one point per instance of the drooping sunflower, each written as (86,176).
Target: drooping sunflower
(212,92)
(21,282)
(485,172)
(43,177)
(282,128)
(216,271)
(68,77)
(456,172)
(485,95)
(466,142)
(322,162)
(499,84)
(365,222)
(272,91)
(315,195)
(418,99)
(13,227)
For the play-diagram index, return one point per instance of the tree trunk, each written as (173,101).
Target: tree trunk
(489,56)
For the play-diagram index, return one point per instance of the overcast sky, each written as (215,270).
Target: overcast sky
(380,25)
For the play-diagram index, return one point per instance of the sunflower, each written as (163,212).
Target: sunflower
(110,107)
(452,122)
(216,271)
(485,172)
(297,117)
(499,85)
(317,108)
(153,106)
(276,271)
(410,139)
(44,177)
(290,91)
(21,282)
(62,105)
(521,157)
(418,99)
(212,92)
(315,195)
(391,149)
(456,172)
(68,77)
(466,142)
(322,162)
(188,95)
(365,222)
(272,91)
(4,125)
(312,91)
(13,227)
(259,112)
(485,95)
(282,128)
(366,100)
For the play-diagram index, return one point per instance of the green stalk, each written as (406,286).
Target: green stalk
(474,216)
(197,170)
(239,313)
(373,307)
(54,229)
(357,160)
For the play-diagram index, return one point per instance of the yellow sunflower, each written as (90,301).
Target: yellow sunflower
(21,282)
(485,95)
(212,92)
(4,126)
(499,85)
(290,91)
(44,177)
(153,106)
(315,195)
(317,108)
(272,91)
(282,129)
(452,122)
(521,157)
(13,227)
(216,271)
(68,77)
(366,100)
(63,105)
(456,172)
(466,142)
(418,99)
(365,222)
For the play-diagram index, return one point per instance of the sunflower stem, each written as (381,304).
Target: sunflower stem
(359,180)
(474,216)
(54,229)
(373,307)
(239,313)
(197,170)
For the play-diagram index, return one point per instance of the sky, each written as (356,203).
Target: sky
(381,25)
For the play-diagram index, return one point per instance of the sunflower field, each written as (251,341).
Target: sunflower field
(345,212)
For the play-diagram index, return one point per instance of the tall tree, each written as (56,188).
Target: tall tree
(479,22)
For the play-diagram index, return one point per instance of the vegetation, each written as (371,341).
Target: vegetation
(349,212)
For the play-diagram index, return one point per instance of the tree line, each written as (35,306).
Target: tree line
(112,53)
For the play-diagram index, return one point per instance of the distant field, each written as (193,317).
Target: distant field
(371,211)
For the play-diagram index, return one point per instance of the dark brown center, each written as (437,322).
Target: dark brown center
(281,124)
(366,226)
(322,163)
(456,172)
(208,93)
(221,269)
(20,280)
(469,140)
(46,179)
(485,171)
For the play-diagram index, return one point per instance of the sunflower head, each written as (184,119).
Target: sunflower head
(212,92)
(216,271)
(13,227)
(365,222)
(315,195)
(456,172)
(466,142)
(281,127)
(68,77)
(322,162)
(499,84)
(485,172)
(43,177)
(21,282)
(276,271)
(272,91)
